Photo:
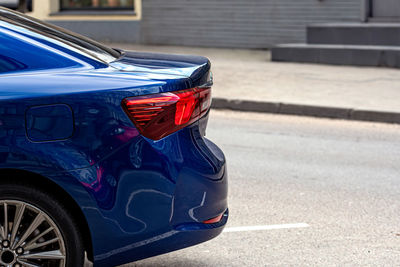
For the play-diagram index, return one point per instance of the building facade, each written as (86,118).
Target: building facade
(208,23)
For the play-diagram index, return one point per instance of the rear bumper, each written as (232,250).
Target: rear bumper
(181,237)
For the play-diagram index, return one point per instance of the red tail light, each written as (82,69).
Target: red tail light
(159,115)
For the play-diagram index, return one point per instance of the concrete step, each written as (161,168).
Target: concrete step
(384,19)
(354,55)
(383,34)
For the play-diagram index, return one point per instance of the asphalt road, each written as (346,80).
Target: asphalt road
(341,179)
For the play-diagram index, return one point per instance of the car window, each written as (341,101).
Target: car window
(59,35)
(31,55)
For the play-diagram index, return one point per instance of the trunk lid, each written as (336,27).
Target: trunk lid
(196,68)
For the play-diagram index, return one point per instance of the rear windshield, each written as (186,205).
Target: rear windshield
(57,34)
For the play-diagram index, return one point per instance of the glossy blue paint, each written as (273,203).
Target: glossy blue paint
(140,197)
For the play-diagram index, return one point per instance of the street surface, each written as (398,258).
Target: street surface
(337,183)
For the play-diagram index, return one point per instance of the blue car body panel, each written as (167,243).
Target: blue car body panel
(61,117)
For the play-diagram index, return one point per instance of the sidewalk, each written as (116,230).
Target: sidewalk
(247,80)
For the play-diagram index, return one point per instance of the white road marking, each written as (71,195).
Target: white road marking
(265,227)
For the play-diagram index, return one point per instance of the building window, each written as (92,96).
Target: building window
(96,5)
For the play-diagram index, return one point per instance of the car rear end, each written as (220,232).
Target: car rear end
(172,127)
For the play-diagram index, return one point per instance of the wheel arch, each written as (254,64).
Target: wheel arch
(56,191)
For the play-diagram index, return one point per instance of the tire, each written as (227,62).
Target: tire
(37,212)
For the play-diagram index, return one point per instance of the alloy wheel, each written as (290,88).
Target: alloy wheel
(29,237)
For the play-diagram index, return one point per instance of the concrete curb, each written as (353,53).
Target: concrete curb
(306,110)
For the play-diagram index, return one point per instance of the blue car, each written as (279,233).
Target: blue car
(103,157)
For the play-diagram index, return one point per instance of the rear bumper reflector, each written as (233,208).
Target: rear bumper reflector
(215,219)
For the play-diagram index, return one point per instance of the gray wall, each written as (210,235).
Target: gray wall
(239,23)
(222,23)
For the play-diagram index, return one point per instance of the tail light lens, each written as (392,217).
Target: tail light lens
(159,115)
